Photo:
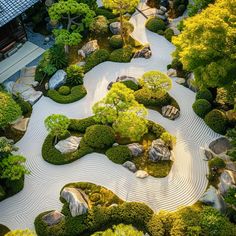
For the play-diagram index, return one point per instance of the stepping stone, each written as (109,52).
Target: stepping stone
(170,112)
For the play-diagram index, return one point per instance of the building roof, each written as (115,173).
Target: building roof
(9,9)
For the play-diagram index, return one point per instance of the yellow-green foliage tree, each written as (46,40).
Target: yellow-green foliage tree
(120,7)
(21,232)
(207,45)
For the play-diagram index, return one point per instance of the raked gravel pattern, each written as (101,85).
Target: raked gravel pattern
(183,186)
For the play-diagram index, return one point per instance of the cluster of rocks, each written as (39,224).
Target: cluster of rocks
(170,112)
(68,145)
(162,13)
(227,179)
(145,52)
(122,79)
(88,48)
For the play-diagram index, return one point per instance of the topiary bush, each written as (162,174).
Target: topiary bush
(119,154)
(204,94)
(155,24)
(217,121)
(26,107)
(122,55)
(64,90)
(75,75)
(96,58)
(155,128)
(116,41)
(99,136)
(201,107)
(76,94)
(169,33)
(99,25)
(80,125)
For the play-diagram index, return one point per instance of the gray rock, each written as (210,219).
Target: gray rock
(21,125)
(208,154)
(159,151)
(170,112)
(88,48)
(136,149)
(144,53)
(77,199)
(110,85)
(141,174)
(115,144)
(46,86)
(160,12)
(115,27)
(180,81)
(127,78)
(9,86)
(130,166)
(191,83)
(68,145)
(227,181)
(175,30)
(162,8)
(57,80)
(163,17)
(220,145)
(53,218)
(172,72)
(213,198)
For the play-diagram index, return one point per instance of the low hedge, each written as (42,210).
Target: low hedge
(119,154)
(76,94)
(80,125)
(130,84)
(116,41)
(99,136)
(51,155)
(155,24)
(204,94)
(122,55)
(64,90)
(96,58)
(217,121)
(201,107)
(169,33)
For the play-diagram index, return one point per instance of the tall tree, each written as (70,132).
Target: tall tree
(74,16)
(120,7)
(207,46)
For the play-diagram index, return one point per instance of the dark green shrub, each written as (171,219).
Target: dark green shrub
(64,90)
(216,163)
(58,57)
(2,194)
(3,230)
(116,41)
(91,3)
(122,55)
(99,136)
(130,84)
(155,24)
(96,58)
(101,11)
(204,94)
(180,10)
(161,32)
(76,94)
(169,33)
(176,64)
(201,107)
(230,197)
(155,128)
(75,75)
(80,125)
(217,121)
(26,107)
(119,154)
(14,186)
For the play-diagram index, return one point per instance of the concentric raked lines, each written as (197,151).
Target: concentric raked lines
(183,186)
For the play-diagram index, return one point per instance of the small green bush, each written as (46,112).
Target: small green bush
(122,55)
(75,75)
(176,64)
(204,94)
(99,136)
(155,128)
(181,9)
(116,41)
(105,12)
(96,58)
(216,163)
(155,24)
(217,121)
(76,94)
(80,125)
(3,230)
(130,84)
(119,154)
(169,33)
(201,107)
(26,107)
(230,197)
(99,25)
(64,90)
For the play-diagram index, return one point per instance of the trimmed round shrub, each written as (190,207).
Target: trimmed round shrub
(155,24)
(204,94)
(76,94)
(217,121)
(130,84)
(169,33)
(119,154)
(216,163)
(80,125)
(116,41)
(100,25)
(99,136)
(122,55)
(64,90)
(201,107)
(75,75)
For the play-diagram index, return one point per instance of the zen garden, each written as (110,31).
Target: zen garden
(121,120)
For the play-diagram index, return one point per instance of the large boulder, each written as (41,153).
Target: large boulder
(136,149)
(159,151)
(115,27)
(21,125)
(123,78)
(57,80)
(220,145)
(141,174)
(77,199)
(213,198)
(144,53)
(170,112)
(130,166)
(53,218)
(227,181)
(89,48)
(68,145)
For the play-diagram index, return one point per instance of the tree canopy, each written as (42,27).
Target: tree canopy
(207,46)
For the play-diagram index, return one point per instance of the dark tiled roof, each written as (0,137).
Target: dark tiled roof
(9,9)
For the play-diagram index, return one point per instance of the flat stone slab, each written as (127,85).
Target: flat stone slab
(21,125)
(53,218)
(220,145)
(68,145)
